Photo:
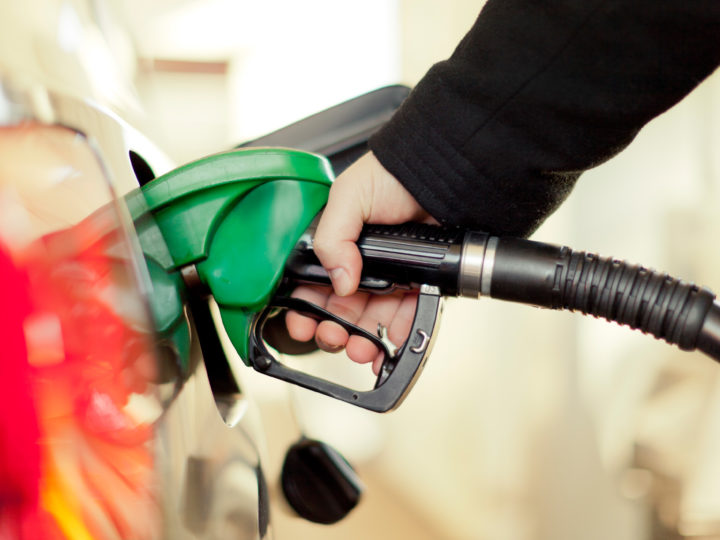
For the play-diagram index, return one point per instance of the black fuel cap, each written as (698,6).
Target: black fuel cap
(318,482)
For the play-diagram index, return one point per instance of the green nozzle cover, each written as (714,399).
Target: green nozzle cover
(236,216)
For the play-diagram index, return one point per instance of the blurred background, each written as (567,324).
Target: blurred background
(526,424)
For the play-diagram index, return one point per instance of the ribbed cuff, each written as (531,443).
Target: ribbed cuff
(429,167)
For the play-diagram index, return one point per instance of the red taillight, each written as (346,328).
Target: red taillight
(77,381)
(19,451)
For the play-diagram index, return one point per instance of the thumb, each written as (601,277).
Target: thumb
(338,230)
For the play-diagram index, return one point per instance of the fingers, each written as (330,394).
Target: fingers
(380,309)
(395,312)
(399,329)
(399,326)
(303,328)
(332,337)
(329,336)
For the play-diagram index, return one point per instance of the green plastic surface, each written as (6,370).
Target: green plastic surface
(236,216)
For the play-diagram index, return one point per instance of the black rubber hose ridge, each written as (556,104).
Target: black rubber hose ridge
(653,302)
(632,295)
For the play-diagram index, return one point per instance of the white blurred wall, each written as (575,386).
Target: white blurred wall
(231,70)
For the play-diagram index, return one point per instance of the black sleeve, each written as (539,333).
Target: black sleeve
(495,137)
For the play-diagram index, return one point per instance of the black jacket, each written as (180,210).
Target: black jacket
(538,91)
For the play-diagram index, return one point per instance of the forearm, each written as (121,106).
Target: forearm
(495,137)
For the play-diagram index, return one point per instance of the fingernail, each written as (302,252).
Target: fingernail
(327,347)
(340,281)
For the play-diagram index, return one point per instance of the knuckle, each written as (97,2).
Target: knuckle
(399,330)
(322,245)
(350,313)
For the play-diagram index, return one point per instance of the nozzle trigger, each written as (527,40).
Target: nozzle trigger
(400,368)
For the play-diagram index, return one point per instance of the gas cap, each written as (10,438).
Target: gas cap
(318,482)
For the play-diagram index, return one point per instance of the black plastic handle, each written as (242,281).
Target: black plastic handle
(394,256)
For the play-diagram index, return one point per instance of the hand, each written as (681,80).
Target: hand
(364,193)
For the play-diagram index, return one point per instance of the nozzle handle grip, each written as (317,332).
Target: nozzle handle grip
(394,256)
